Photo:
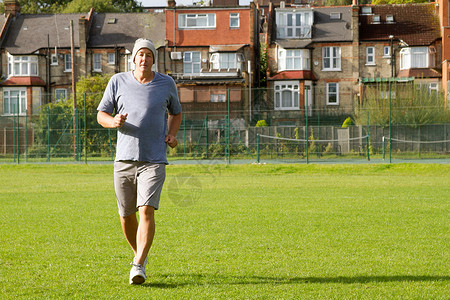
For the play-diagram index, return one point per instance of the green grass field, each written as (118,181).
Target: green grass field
(378,231)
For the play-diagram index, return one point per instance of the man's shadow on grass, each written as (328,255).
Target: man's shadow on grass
(174,281)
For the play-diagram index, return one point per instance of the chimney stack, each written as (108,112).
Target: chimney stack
(12,7)
(171,3)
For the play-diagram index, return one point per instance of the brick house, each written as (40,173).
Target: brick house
(36,64)
(209,51)
(36,52)
(311,59)
(444,17)
(401,43)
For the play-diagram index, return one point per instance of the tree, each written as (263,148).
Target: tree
(380,2)
(75,6)
(263,64)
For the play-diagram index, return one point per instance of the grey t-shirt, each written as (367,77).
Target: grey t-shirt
(141,138)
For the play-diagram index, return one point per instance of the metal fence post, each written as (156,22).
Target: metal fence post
(257,148)
(85,130)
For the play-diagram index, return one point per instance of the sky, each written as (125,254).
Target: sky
(185,2)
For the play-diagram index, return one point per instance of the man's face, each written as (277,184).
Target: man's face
(144,59)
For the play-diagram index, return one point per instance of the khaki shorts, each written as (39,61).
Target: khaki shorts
(137,184)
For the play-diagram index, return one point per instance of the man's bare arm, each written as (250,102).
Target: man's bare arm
(108,121)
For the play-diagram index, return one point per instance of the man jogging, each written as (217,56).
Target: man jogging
(140,100)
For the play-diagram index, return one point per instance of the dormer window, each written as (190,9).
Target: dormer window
(376,19)
(366,10)
(294,24)
(335,16)
(389,18)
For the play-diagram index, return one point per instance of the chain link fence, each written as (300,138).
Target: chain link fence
(234,130)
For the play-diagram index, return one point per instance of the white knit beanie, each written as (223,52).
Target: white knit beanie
(143,43)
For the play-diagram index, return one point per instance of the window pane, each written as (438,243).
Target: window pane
(34,69)
(297,20)
(14,98)
(286,98)
(297,63)
(24,69)
(187,67)
(289,63)
(196,68)
(211,20)
(196,56)
(16,69)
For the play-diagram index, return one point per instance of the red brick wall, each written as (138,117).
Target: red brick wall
(221,35)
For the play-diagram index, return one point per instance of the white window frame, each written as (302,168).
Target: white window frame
(97,62)
(291,24)
(370,56)
(387,52)
(366,10)
(385,95)
(414,58)
(330,85)
(10,105)
(23,66)
(282,88)
(59,93)
(333,56)
(217,98)
(433,87)
(197,21)
(376,19)
(285,56)
(54,59)
(111,58)
(67,62)
(235,22)
(190,64)
(226,60)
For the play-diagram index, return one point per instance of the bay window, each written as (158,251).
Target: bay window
(287,95)
(415,57)
(22,65)
(14,101)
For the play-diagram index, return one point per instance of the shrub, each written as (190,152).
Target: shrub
(347,122)
(261,123)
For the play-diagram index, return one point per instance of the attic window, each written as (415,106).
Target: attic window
(112,21)
(335,16)
(376,19)
(389,18)
(366,10)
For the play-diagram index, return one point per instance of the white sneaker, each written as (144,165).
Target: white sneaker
(144,265)
(137,274)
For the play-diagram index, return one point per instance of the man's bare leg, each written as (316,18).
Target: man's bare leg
(130,227)
(145,232)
